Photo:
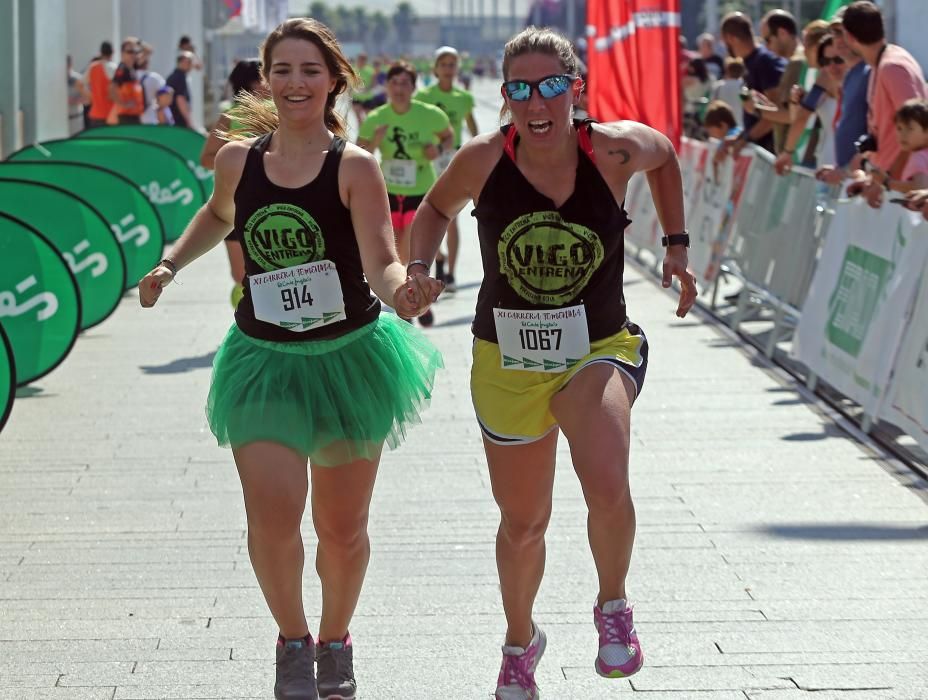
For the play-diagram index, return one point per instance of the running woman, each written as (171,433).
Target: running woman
(459,106)
(410,135)
(310,370)
(554,349)
(244,78)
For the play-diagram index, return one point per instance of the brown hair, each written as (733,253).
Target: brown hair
(864,21)
(401,67)
(813,32)
(914,110)
(734,68)
(544,40)
(719,114)
(259,116)
(738,25)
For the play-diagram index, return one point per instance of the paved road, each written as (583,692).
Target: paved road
(776,558)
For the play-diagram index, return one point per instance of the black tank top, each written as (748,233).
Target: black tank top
(538,256)
(284,226)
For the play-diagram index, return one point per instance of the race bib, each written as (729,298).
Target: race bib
(443,161)
(401,173)
(299,298)
(542,341)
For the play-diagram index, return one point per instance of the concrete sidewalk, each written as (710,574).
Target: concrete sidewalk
(776,557)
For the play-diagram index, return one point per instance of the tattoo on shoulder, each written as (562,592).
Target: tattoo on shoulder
(626,156)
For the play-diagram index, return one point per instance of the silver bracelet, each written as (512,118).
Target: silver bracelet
(427,266)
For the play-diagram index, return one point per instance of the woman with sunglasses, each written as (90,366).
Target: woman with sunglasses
(554,349)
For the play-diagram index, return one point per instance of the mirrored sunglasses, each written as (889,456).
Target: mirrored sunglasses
(549,87)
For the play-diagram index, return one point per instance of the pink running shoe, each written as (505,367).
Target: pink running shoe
(517,676)
(619,649)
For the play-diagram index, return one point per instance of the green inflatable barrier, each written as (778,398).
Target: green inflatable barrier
(40,307)
(7,378)
(133,219)
(187,143)
(82,237)
(160,173)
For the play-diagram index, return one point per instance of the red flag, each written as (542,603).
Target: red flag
(633,62)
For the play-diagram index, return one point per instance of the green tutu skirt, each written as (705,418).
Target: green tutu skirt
(333,401)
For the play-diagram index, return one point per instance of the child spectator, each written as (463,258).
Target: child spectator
(163,100)
(720,121)
(728,89)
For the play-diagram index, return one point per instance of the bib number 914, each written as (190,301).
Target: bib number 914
(293,298)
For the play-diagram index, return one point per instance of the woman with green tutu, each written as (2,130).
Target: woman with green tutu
(311,370)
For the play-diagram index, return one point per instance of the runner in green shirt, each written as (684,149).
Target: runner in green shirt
(410,135)
(360,99)
(459,106)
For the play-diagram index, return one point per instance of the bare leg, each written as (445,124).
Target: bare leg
(341,498)
(274,483)
(522,477)
(593,411)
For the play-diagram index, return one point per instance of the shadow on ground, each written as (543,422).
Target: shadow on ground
(181,365)
(846,533)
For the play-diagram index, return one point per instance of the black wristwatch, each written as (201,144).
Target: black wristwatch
(676,239)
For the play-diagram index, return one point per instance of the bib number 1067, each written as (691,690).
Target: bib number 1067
(540,339)
(294,298)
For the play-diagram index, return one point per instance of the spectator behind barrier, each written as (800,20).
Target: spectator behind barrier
(781,35)
(714,64)
(764,69)
(728,89)
(912,131)
(852,121)
(822,100)
(895,78)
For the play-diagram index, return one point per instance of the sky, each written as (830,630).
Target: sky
(422,7)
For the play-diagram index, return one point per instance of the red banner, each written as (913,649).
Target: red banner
(633,62)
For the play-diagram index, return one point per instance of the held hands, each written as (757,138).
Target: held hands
(675,265)
(415,296)
(151,285)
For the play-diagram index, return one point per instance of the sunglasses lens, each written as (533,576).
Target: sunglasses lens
(554,86)
(518,90)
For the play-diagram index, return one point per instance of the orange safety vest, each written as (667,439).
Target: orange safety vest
(100,104)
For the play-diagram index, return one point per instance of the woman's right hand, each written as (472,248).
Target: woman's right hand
(151,285)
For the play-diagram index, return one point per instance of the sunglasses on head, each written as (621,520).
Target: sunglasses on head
(549,87)
(837,60)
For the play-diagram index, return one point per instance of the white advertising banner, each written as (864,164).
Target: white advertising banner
(906,402)
(865,283)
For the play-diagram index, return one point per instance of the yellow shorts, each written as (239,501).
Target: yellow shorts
(513,406)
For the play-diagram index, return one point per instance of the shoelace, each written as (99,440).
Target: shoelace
(516,669)
(339,658)
(296,664)
(615,627)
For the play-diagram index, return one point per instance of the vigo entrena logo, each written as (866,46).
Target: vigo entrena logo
(548,260)
(283,235)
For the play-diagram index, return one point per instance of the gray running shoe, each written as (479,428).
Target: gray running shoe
(295,679)
(335,675)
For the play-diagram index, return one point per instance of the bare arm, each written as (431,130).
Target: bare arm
(183,106)
(214,143)
(209,226)
(471,124)
(625,147)
(460,183)
(365,195)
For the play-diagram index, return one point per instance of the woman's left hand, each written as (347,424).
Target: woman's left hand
(415,296)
